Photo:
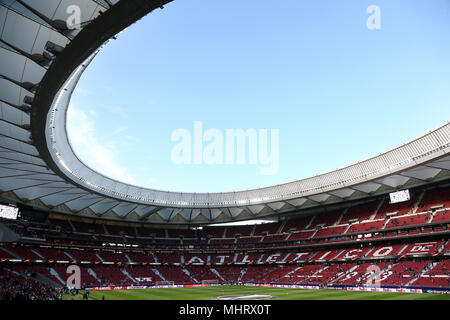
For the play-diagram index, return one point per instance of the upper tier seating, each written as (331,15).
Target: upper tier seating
(360,212)
(400,208)
(325,219)
(437,197)
(409,220)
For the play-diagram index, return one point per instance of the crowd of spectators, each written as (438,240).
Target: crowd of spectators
(13,287)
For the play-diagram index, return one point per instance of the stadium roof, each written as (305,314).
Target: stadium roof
(42,59)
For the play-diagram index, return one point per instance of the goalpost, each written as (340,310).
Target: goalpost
(214,282)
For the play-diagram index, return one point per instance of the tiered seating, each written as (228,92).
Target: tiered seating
(351,254)
(328,274)
(25,253)
(52,254)
(88,227)
(296,224)
(176,274)
(325,219)
(83,255)
(63,224)
(250,257)
(141,257)
(173,242)
(42,270)
(303,257)
(222,241)
(437,281)
(300,274)
(439,276)
(268,228)
(446,249)
(422,248)
(435,198)
(254,273)
(243,231)
(222,258)
(272,276)
(298,256)
(383,251)
(151,232)
(202,273)
(330,231)
(301,235)
(174,233)
(357,274)
(274,237)
(22,229)
(86,278)
(249,239)
(400,208)
(120,230)
(404,272)
(6,255)
(168,258)
(195,258)
(143,275)
(365,226)
(360,212)
(441,216)
(326,255)
(214,232)
(191,241)
(17,287)
(229,273)
(111,275)
(415,219)
(110,256)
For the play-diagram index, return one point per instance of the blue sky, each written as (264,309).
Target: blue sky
(336,91)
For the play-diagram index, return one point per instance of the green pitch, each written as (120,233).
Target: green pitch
(208,293)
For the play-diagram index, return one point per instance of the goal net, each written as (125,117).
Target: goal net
(164,283)
(214,282)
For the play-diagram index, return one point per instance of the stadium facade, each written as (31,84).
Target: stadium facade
(41,60)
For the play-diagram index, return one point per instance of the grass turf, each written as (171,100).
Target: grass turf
(208,293)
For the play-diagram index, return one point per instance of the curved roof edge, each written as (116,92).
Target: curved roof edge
(45,173)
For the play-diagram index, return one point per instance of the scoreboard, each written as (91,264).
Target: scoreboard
(8,212)
(399,196)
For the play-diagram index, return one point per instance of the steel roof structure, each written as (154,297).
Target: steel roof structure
(42,58)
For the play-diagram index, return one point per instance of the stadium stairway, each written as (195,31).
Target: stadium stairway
(12,254)
(217,274)
(425,270)
(241,275)
(56,275)
(186,271)
(38,254)
(344,274)
(419,200)
(41,278)
(93,274)
(287,275)
(262,275)
(125,272)
(99,257)
(156,271)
